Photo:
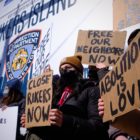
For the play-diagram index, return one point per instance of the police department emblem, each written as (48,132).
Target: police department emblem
(20,54)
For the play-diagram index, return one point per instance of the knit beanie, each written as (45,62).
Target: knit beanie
(75,61)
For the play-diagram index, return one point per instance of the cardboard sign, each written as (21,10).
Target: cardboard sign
(127,15)
(100,46)
(120,88)
(8,123)
(129,123)
(38,100)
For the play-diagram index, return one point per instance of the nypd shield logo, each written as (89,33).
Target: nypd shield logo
(20,54)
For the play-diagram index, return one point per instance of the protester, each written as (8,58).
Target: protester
(132,35)
(92,74)
(114,133)
(102,70)
(13,96)
(74,114)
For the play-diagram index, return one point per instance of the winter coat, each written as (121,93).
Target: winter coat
(80,119)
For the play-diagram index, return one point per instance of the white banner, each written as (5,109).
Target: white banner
(8,123)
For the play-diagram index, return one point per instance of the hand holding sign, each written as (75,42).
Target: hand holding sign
(100,65)
(56,117)
(22,121)
(4,107)
(101,107)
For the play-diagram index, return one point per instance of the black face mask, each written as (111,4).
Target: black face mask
(69,76)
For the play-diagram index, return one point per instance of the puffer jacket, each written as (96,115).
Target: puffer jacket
(80,119)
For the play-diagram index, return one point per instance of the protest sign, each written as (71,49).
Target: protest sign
(8,125)
(100,46)
(38,100)
(120,88)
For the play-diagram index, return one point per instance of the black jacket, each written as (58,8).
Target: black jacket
(81,119)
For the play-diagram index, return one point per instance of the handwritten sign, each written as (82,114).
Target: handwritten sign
(100,46)
(42,54)
(38,100)
(8,123)
(120,88)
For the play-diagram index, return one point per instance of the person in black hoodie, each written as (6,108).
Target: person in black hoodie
(74,114)
(115,133)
